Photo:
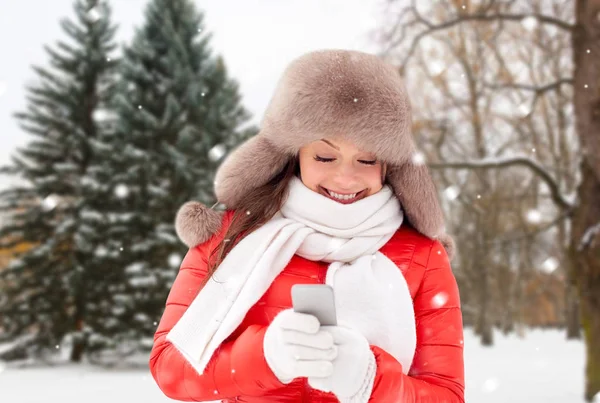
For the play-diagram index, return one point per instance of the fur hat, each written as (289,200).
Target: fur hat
(320,94)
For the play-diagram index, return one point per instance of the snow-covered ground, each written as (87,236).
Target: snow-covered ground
(543,367)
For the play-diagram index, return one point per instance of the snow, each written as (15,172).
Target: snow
(542,367)
(590,233)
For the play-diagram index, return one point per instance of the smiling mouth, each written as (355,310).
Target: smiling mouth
(341,198)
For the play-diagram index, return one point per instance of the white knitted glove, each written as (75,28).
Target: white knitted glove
(354,367)
(295,346)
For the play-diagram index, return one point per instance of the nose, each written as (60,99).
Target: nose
(345,177)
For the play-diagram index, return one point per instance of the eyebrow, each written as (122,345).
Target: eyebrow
(331,144)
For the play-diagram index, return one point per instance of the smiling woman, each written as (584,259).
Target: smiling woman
(306,204)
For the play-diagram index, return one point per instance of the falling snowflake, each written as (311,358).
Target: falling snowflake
(94,14)
(436,67)
(121,191)
(451,192)
(529,23)
(525,110)
(2,88)
(50,202)
(174,259)
(439,299)
(490,385)
(101,115)
(550,265)
(101,251)
(217,152)
(534,216)
(418,158)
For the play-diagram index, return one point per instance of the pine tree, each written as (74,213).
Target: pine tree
(43,288)
(177,113)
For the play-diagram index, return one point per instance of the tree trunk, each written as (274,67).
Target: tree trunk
(78,344)
(590,309)
(484,325)
(571,303)
(572,319)
(585,236)
(585,250)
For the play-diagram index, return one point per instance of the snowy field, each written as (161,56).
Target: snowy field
(543,367)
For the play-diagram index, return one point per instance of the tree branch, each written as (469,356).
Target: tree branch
(558,198)
(431,28)
(536,89)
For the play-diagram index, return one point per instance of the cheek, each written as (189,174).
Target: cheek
(373,179)
(311,173)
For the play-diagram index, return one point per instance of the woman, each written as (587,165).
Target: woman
(327,192)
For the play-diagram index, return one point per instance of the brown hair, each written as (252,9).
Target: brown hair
(262,203)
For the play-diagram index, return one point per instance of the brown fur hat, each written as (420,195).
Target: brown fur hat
(321,94)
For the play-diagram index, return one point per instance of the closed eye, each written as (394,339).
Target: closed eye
(368,162)
(321,159)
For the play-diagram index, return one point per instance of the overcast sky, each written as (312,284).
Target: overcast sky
(257,38)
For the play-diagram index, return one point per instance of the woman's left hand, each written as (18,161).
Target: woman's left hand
(353,369)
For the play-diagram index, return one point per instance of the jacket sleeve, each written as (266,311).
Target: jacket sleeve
(437,371)
(236,368)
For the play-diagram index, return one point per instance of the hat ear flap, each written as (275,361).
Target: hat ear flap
(247,167)
(418,196)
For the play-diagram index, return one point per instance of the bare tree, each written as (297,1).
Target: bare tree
(410,33)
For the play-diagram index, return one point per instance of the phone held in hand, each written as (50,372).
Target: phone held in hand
(317,300)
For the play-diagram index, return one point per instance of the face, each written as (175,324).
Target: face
(335,168)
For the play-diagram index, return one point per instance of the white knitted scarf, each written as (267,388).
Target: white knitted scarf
(371,294)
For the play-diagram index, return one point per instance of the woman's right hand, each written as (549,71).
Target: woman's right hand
(294,346)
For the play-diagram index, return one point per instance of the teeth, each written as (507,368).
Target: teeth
(341,197)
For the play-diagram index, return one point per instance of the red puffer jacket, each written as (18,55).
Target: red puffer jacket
(238,372)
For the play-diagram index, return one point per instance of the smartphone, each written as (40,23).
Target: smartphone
(317,300)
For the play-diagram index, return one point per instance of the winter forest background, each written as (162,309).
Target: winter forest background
(128,107)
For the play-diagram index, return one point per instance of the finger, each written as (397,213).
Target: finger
(310,368)
(301,322)
(340,335)
(313,354)
(322,339)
